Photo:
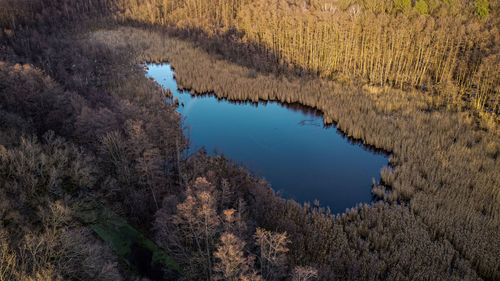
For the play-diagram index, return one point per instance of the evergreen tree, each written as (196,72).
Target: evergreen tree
(421,7)
(402,5)
(482,8)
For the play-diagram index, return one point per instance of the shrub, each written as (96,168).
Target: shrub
(402,5)
(482,8)
(421,7)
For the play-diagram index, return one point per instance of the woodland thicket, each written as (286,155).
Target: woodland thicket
(81,123)
(445,47)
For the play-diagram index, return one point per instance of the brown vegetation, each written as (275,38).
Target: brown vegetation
(447,51)
(78,121)
(123,147)
(440,158)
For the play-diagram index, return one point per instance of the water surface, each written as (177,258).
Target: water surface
(286,145)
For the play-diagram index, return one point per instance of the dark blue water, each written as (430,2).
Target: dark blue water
(290,148)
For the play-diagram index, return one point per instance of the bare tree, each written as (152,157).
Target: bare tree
(301,273)
(273,247)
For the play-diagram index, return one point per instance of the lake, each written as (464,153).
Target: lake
(287,145)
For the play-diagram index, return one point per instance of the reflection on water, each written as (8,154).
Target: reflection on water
(287,144)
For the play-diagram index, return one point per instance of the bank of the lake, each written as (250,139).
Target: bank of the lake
(292,149)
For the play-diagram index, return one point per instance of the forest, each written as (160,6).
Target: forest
(447,48)
(98,180)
